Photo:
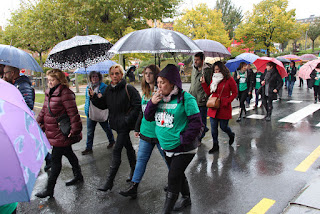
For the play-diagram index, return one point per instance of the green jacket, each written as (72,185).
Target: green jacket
(196,89)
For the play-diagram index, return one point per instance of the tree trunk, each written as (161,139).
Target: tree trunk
(268,52)
(312,46)
(42,74)
(76,82)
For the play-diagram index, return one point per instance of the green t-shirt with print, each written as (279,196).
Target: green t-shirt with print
(242,81)
(174,116)
(258,80)
(147,128)
(317,82)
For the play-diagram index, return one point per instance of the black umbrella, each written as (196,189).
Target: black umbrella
(79,51)
(212,48)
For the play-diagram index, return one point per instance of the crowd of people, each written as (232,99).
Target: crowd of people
(166,116)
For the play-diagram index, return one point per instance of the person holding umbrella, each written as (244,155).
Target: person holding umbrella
(178,127)
(60,102)
(244,81)
(315,83)
(270,85)
(94,114)
(124,104)
(292,70)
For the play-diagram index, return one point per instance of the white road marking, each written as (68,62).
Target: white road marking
(302,113)
(256,116)
(294,101)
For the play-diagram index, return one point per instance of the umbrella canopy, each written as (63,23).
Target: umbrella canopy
(306,69)
(233,64)
(155,40)
(292,57)
(308,57)
(212,48)
(283,60)
(23,146)
(79,51)
(262,62)
(102,67)
(180,63)
(248,57)
(15,57)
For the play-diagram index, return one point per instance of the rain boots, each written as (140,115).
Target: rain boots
(48,191)
(171,199)
(77,176)
(132,191)
(269,112)
(185,200)
(231,138)
(215,148)
(132,161)
(109,183)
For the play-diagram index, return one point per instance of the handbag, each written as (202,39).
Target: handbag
(63,121)
(97,114)
(214,102)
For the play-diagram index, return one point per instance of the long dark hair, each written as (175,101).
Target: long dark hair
(241,65)
(146,90)
(223,69)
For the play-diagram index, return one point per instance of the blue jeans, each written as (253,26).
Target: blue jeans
(91,126)
(214,128)
(203,113)
(290,87)
(144,153)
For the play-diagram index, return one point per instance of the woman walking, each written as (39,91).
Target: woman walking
(124,104)
(257,85)
(178,126)
(97,86)
(315,83)
(244,82)
(146,131)
(271,84)
(222,85)
(60,102)
(292,70)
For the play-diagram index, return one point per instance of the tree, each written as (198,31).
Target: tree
(203,23)
(268,23)
(231,16)
(314,32)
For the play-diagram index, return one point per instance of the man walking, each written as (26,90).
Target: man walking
(206,70)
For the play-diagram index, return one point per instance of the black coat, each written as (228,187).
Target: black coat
(291,73)
(275,82)
(312,80)
(124,108)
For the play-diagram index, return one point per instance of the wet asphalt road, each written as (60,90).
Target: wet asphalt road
(260,164)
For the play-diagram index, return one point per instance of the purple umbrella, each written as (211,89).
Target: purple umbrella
(308,57)
(23,146)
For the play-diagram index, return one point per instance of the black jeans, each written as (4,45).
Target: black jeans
(242,98)
(123,140)
(316,91)
(267,103)
(177,166)
(57,153)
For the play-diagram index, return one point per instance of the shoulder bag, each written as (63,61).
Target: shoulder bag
(214,102)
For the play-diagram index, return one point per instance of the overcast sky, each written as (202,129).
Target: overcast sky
(304,8)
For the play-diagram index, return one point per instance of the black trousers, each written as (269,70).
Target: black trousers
(123,140)
(177,166)
(242,98)
(57,153)
(316,91)
(267,103)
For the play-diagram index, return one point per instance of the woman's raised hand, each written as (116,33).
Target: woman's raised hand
(157,97)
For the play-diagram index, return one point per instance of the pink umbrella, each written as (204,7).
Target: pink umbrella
(180,63)
(306,69)
(261,63)
(307,57)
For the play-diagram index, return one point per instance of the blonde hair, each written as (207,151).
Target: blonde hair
(59,75)
(117,66)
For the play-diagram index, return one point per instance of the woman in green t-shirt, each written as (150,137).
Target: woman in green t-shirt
(244,82)
(315,81)
(146,130)
(178,128)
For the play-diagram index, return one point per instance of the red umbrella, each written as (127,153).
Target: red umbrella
(261,63)
(306,69)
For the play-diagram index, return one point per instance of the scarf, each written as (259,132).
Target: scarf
(174,91)
(216,79)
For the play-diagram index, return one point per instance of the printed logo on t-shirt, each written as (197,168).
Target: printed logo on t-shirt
(167,119)
(242,80)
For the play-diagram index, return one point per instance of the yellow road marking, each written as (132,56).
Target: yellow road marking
(262,207)
(305,165)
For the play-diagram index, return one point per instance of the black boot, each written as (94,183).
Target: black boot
(268,117)
(214,148)
(315,100)
(240,115)
(77,176)
(231,138)
(132,191)
(132,161)
(48,191)
(171,199)
(109,183)
(185,200)
(244,115)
